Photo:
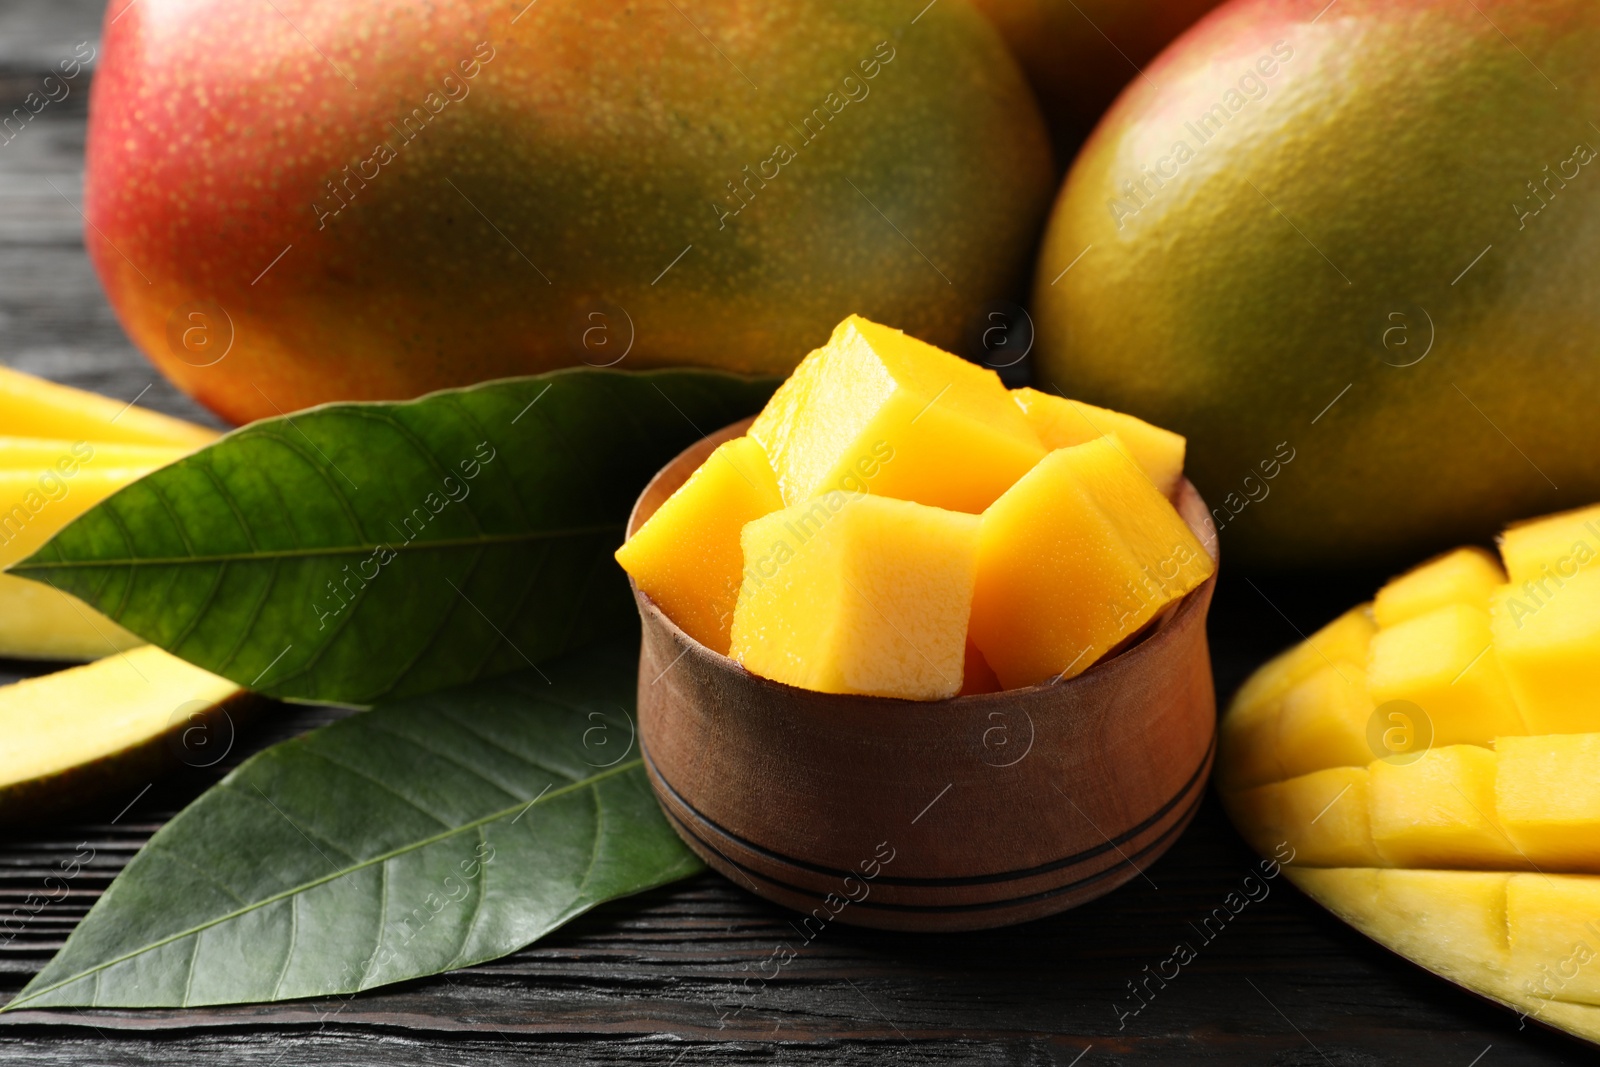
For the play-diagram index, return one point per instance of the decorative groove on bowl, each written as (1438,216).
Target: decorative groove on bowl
(922,815)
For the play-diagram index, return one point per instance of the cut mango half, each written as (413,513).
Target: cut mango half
(1432,764)
(65,451)
(82,734)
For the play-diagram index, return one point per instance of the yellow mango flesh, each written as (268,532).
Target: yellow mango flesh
(1439,811)
(33,506)
(1062,423)
(1247,746)
(1322,816)
(1525,928)
(1444,662)
(1554,924)
(34,407)
(857,594)
(41,454)
(1080,553)
(1549,649)
(1463,576)
(686,557)
(66,450)
(1323,722)
(878,412)
(1556,546)
(1451,922)
(1345,639)
(38,621)
(58,721)
(1548,797)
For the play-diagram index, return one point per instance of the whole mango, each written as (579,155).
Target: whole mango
(1348,249)
(295,202)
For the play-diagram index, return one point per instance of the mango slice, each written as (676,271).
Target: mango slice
(1548,798)
(42,453)
(38,621)
(1549,649)
(1080,553)
(1440,811)
(878,412)
(686,557)
(1062,423)
(75,735)
(34,407)
(1462,576)
(1444,662)
(885,586)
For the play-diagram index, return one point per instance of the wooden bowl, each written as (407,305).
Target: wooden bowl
(958,814)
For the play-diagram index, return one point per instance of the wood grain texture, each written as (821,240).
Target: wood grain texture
(661,979)
(824,802)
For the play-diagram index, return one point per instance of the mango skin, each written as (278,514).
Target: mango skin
(530,224)
(1397,142)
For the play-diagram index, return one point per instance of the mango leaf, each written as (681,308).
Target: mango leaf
(357,551)
(427,834)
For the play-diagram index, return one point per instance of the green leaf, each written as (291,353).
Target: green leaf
(424,835)
(358,551)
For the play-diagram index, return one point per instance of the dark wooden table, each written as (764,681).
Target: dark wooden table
(647,980)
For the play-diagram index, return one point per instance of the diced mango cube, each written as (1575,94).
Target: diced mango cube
(1549,648)
(1463,576)
(1554,922)
(1547,796)
(1557,545)
(686,557)
(1322,816)
(1445,663)
(857,594)
(1439,811)
(876,411)
(1062,423)
(1324,721)
(1343,640)
(1247,746)
(1076,556)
